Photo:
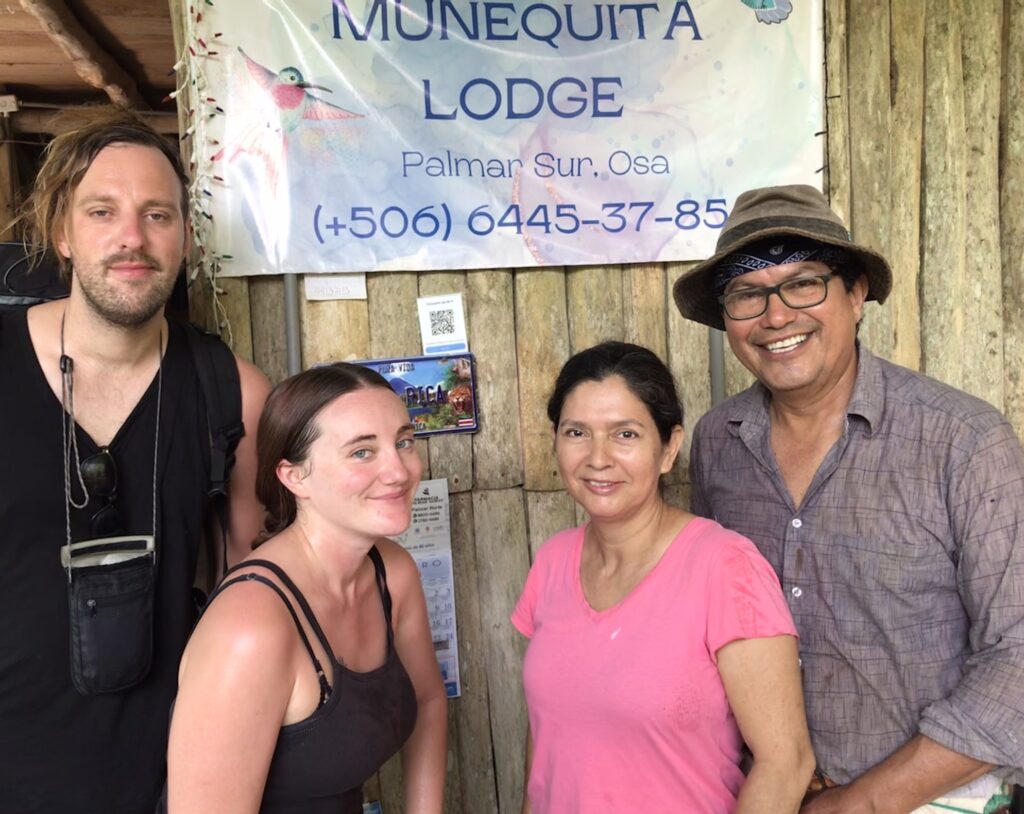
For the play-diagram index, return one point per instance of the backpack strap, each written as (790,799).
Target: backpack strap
(217,372)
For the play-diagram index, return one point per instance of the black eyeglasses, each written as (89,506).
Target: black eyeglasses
(99,474)
(798,292)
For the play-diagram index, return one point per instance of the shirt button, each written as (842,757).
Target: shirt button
(797,592)
(797,522)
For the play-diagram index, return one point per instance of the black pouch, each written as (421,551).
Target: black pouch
(111,585)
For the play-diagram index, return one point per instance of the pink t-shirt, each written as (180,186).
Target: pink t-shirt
(627,710)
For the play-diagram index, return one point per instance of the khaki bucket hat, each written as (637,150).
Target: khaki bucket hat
(768,212)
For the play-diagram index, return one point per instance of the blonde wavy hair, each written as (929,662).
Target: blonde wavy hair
(81,134)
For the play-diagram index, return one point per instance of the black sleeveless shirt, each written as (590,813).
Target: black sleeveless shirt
(319,764)
(61,751)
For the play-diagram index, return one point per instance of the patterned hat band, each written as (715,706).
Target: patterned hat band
(778,251)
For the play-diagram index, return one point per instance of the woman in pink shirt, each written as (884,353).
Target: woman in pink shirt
(660,642)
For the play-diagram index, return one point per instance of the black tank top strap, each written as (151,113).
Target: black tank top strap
(382,588)
(325,687)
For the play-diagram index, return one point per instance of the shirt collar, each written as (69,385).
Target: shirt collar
(867,402)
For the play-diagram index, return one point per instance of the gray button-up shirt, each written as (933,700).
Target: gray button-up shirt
(903,568)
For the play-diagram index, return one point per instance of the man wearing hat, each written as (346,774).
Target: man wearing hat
(891,506)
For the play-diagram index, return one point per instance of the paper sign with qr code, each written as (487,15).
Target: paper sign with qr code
(440,391)
(442,324)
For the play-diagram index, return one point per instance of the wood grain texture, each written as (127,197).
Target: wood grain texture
(1011,205)
(868,94)
(502,557)
(472,714)
(907,124)
(837,110)
(645,307)
(594,305)
(542,344)
(235,315)
(547,513)
(982,296)
(394,325)
(451,456)
(8,182)
(497,448)
(334,330)
(94,65)
(944,232)
(269,342)
(690,365)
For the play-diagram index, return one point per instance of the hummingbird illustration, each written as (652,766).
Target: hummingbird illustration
(287,103)
(770,11)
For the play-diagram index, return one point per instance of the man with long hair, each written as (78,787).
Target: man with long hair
(103,488)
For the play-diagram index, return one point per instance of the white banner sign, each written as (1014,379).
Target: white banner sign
(365,135)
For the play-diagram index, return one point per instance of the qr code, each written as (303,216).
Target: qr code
(442,323)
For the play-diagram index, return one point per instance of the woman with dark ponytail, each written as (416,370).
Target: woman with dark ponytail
(313,662)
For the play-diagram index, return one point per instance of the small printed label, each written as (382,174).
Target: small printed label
(335,286)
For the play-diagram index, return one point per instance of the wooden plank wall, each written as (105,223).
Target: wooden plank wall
(925,160)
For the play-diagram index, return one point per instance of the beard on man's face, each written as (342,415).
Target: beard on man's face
(130,304)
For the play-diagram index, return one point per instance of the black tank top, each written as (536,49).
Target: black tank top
(61,751)
(320,763)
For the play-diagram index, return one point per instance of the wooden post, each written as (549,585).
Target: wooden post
(907,123)
(982,295)
(94,65)
(472,710)
(497,450)
(868,54)
(594,304)
(688,361)
(234,299)
(837,109)
(945,195)
(542,345)
(1011,205)
(645,307)
(502,559)
(334,331)
(8,181)
(547,514)
(266,300)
